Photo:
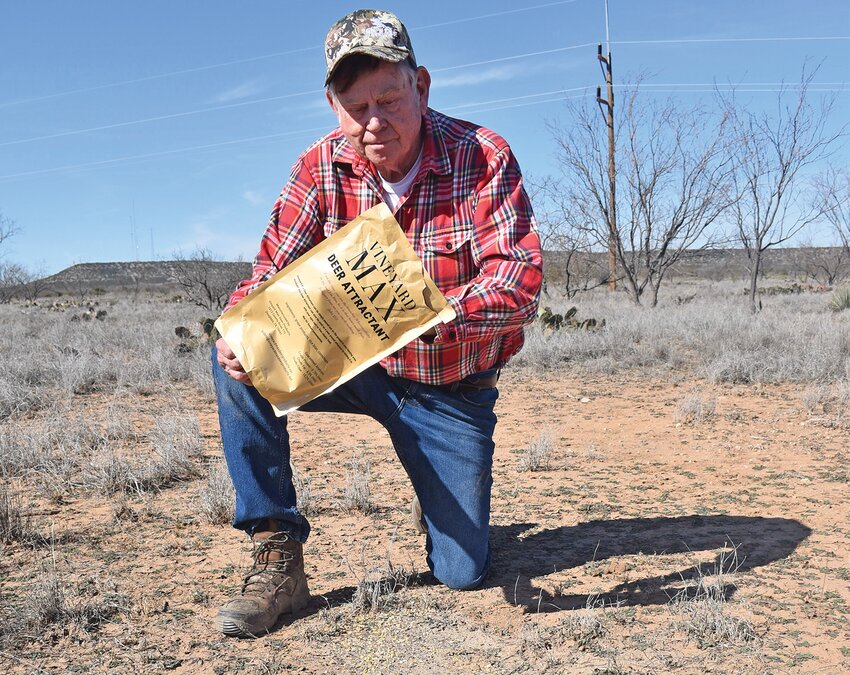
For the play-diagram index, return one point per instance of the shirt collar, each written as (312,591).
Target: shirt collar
(435,156)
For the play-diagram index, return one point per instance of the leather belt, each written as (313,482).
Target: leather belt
(474,382)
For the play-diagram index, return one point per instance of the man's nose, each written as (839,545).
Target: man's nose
(375,123)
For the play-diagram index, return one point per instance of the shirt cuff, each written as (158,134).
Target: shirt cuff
(448,332)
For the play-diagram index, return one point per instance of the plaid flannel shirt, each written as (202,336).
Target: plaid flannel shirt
(468,219)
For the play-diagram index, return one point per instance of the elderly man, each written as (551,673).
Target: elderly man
(456,190)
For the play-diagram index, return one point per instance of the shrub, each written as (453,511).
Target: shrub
(357,495)
(304,495)
(108,473)
(14,524)
(840,299)
(19,452)
(376,586)
(695,408)
(218,498)
(44,604)
(702,608)
(538,455)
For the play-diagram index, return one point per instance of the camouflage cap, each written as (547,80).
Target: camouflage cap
(367,31)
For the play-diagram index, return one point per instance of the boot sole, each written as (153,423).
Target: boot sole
(233,627)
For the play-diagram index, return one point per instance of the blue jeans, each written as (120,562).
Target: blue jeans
(443,439)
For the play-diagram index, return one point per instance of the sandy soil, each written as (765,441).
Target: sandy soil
(589,556)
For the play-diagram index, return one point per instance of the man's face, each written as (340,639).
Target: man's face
(381,116)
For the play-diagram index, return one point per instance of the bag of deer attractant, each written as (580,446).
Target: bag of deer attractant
(356,297)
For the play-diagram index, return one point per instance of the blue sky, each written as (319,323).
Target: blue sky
(129,131)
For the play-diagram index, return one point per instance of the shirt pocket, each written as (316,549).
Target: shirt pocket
(447,255)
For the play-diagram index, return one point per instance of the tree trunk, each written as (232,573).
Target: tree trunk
(754,276)
(653,297)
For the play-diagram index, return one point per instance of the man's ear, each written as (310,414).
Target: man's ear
(331,100)
(423,86)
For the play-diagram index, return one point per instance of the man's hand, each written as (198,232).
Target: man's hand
(228,361)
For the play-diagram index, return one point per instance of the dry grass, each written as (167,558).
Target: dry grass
(586,628)
(696,407)
(377,584)
(794,339)
(356,492)
(306,500)
(538,455)
(15,525)
(840,299)
(701,609)
(218,498)
(124,465)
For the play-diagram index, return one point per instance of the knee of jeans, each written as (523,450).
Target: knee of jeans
(460,579)
(460,573)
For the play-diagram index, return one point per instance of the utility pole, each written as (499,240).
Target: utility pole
(608,114)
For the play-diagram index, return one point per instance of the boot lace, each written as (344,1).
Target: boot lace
(267,571)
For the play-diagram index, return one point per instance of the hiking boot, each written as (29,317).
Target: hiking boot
(275,585)
(416,518)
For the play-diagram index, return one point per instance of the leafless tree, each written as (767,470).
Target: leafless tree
(823,265)
(11,274)
(832,196)
(13,278)
(207,281)
(772,151)
(674,182)
(572,266)
(36,286)
(7,228)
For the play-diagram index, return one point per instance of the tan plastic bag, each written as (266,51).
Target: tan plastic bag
(356,297)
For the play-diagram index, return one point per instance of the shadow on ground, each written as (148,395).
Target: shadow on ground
(520,557)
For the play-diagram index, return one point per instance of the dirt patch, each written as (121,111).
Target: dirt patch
(656,541)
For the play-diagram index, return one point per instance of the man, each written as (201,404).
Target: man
(456,190)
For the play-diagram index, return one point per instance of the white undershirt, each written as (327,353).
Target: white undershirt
(393,192)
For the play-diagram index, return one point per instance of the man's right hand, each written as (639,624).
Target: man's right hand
(228,361)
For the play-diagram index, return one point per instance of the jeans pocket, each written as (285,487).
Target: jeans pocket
(480,398)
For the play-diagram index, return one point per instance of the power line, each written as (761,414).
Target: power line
(511,102)
(511,58)
(161,153)
(226,106)
(518,98)
(558,99)
(74,132)
(744,39)
(148,78)
(185,113)
(488,16)
(738,89)
(719,84)
(261,57)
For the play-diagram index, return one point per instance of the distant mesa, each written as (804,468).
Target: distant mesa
(159,275)
(715,264)
(148,276)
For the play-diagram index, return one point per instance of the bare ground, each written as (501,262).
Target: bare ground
(656,542)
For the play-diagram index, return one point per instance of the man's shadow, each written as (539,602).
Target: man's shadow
(741,543)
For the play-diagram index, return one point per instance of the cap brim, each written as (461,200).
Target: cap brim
(390,54)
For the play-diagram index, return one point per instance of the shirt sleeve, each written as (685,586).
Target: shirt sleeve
(503,297)
(294,227)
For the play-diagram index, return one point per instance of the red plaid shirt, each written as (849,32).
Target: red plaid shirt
(468,218)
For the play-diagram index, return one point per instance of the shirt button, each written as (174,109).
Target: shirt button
(448,246)
(452,335)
